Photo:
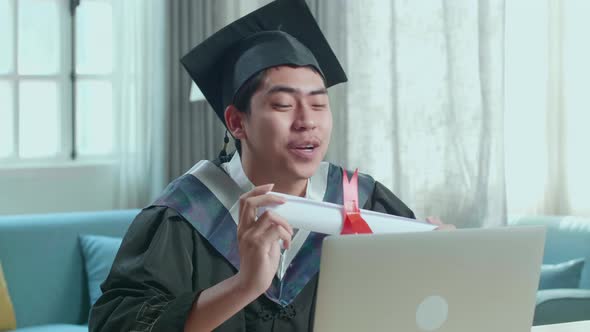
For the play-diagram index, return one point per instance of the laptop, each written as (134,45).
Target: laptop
(482,280)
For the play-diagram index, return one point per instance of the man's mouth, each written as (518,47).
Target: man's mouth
(308,148)
(304,149)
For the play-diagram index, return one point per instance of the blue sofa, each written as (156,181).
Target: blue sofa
(567,238)
(44,267)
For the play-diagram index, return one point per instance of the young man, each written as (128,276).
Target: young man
(198,258)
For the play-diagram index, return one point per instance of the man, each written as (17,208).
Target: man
(198,258)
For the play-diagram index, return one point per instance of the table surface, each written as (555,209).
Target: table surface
(583,326)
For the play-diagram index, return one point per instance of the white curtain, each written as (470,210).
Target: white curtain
(425,110)
(195,131)
(141,95)
(423,107)
(548,107)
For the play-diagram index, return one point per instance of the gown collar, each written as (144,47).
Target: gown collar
(207,197)
(235,170)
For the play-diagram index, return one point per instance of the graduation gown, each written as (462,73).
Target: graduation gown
(186,242)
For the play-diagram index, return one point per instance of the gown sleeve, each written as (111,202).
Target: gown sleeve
(384,201)
(150,286)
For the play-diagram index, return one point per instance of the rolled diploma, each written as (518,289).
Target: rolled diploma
(326,218)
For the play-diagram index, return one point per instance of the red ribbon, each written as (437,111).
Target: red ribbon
(353,221)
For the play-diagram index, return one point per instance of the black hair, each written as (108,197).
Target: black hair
(243,98)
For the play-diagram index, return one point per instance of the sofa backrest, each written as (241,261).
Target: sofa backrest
(567,238)
(43,263)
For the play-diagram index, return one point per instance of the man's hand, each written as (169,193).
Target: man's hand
(259,260)
(441,226)
(259,239)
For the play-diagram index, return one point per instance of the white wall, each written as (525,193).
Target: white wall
(63,188)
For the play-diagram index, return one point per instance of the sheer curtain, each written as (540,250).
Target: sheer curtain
(161,134)
(547,107)
(195,131)
(423,108)
(141,95)
(422,112)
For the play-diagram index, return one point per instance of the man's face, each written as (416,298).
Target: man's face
(288,130)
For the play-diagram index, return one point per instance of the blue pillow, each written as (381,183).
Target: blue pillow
(562,275)
(99,253)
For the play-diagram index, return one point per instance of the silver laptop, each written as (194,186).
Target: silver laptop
(478,280)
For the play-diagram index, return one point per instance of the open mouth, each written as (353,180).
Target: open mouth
(305,149)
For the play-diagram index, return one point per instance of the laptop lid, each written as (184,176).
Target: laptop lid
(446,281)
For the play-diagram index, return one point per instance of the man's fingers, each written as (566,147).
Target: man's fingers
(268,220)
(260,227)
(266,236)
(434,220)
(441,226)
(275,233)
(260,190)
(249,206)
(262,200)
(267,230)
(276,219)
(445,227)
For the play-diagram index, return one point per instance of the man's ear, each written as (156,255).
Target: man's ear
(235,122)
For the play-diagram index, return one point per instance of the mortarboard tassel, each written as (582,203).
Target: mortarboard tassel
(223,157)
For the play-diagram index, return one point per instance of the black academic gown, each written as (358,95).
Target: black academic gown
(164,263)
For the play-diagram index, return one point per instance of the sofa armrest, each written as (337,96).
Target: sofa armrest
(562,305)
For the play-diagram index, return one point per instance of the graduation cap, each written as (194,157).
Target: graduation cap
(283,32)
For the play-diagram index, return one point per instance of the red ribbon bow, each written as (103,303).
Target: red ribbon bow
(353,221)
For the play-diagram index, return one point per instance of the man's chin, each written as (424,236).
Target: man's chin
(305,170)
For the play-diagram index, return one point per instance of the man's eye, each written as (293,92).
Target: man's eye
(282,105)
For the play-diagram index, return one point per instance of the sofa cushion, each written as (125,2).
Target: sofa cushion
(99,253)
(556,306)
(42,259)
(567,238)
(54,328)
(562,275)
(7,319)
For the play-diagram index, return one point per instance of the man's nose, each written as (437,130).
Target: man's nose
(305,119)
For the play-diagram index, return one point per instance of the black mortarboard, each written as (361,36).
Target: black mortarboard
(280,33)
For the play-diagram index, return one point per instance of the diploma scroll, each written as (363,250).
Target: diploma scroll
(327,218)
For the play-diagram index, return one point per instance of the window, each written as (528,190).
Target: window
(56,80)
(94,78)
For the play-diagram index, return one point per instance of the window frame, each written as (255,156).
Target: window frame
(66,79)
